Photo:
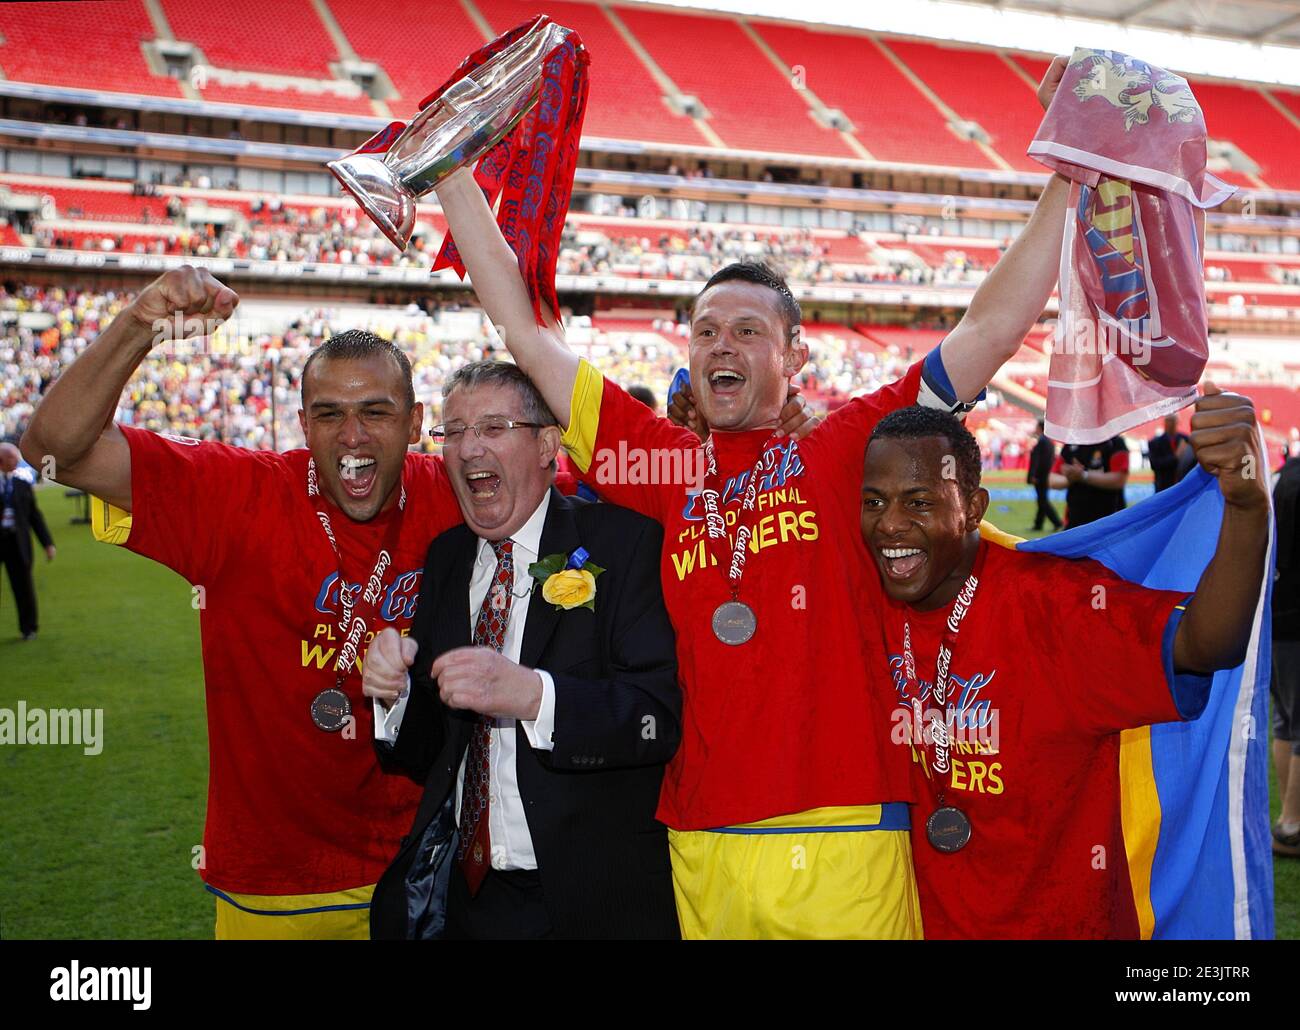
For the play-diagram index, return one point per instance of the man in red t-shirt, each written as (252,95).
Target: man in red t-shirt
(296,560)
(763,575)
(1015,672)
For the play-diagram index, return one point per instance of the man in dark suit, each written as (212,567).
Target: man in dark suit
(1040,471)
(1167,452)
(19,518)
(539,719)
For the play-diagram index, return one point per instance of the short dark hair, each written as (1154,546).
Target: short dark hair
(496,373)
(645,395)
(761,274)
(916,423)
(356,345)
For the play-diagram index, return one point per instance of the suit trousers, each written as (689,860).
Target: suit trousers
(508,906)
(1046,510)
(20,580)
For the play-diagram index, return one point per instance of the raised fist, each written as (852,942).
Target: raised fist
(182,304)
(1225,440)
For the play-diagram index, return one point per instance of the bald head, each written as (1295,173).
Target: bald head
(9,457)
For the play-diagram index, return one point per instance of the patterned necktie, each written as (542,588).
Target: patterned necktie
(475,851)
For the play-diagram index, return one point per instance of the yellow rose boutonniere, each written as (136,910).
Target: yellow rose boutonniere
(567,582)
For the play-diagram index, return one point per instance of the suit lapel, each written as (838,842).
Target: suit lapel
(559,536)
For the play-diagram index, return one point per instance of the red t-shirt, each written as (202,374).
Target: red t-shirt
(779,724)
(292,809)
(1067,655)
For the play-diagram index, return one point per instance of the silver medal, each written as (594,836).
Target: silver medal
(330,710)
(734,622)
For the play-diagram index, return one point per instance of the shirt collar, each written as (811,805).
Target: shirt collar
(528,538)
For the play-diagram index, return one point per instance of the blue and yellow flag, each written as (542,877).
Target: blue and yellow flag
(1195,795)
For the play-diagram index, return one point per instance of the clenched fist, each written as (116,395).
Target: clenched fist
(1225,440)
(184,303)
(383,673)
(481,680)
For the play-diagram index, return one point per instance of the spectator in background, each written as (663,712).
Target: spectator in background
(1040,472)
(19,518)
(1167,451)
(1093,478)
(645,395)
(1286,659)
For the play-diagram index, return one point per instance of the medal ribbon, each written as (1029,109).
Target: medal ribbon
(352,622)
(716,524)
(961,606)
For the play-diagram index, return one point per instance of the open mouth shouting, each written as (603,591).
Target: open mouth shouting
(902,564)
(484,485)
(357,474)
(726,381)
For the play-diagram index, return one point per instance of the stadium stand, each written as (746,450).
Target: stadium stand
(981,88)
(742,71)
(623,83)
(1244,116)
(751,104)
(892,119)
(418,44)
(290,97)
(284,38)
(108,38)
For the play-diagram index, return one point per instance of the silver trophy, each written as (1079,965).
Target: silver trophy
(471,116)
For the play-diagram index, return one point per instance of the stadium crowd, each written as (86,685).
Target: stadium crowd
(225,391)
(273,231)
(697,253)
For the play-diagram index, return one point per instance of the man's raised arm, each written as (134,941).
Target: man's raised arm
(74,425)
(494,270)
(1012,297)
(1215,629)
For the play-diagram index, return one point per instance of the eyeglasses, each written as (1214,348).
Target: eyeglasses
(493,427)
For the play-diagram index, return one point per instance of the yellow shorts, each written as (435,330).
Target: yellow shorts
(337,916)
(828,872)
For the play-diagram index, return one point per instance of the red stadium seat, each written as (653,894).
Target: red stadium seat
(1242,115)
(892,118)
(620,82)
(85,46)
(284,38)
(1287,98)
(980,87)
(904,339)
(418,44)
(752,104)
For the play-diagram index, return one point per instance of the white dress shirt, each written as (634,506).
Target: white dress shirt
(512,844)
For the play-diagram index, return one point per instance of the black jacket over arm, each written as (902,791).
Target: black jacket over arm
(601,855)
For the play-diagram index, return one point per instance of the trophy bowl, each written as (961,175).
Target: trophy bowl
(453,131)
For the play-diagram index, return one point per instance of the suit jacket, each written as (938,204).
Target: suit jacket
(1164,459)
(590,803)
(1040,460)
(27,518)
